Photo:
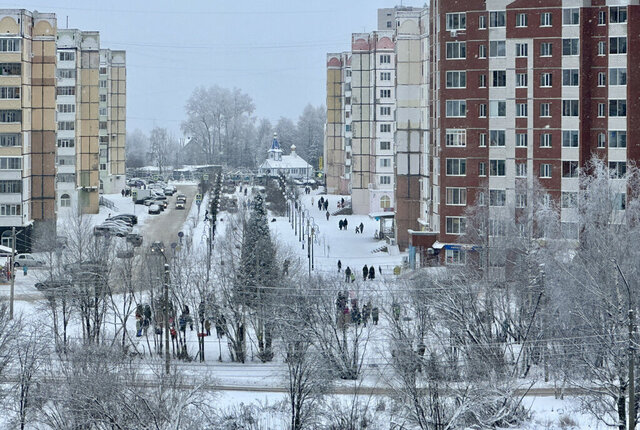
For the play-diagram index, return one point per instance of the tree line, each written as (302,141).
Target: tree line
(221,128)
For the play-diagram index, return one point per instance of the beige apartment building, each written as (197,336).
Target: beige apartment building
(27,123)
(337,145)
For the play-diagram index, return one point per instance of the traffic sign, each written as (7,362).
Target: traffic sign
(180,234)
(134,195)
(199,197)
(205,177)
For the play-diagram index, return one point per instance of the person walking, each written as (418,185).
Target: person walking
(372,273)
(361,227)
(340,224)
(353,277)
(357,229)
(339,266)
(366,311)
(207,327)
(365,272)
(345,223)
(347,274)
(342,202)
(326,205)
(319,205)
(375,314)
(327,214)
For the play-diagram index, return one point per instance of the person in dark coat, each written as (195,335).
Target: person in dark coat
(319,205)
(365,272)
(327,214)
(340,224)
(207,327)
(326,205)
(361,227)
(357,229)
(366,311)
(347,274)
(342,202)
(345,223)
(372,273)
(375,314)
(339,266)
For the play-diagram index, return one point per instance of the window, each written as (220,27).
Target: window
(67,55)
(66,125)
(602,140)
(497,19)
(546,49)
(10,210)
(617,139)
(385,146)
(66,73)
(385,76)
(482,110)
(545,110)
(521,140)
(545,170)
(385,202)
(522,20)
(602,17)
(482,51)
(456,50)
(570,46)
(617,169)
(385,94)
(497,167)
(482,140)
(497,48)
(456,225)
(455,256)
(65,160)
(384,128)
(66,143)
(618,108)
(602,110)
(617,45)
(496,137)
(10,163)
(482,169)
(103,98)
(10,115)
(11,186)
(571,16)
(9,92)
(497,108)
(521,110)
(545,19)
(521,170)
(103,70)
(456,196)
(480,198)
(66,177)
(521,200)
(620,201)
(12,139)
(522,49)
(65,201)
(456,166)
(103,112)
(66,91)
(570,138)
(456,108)
(618,76)
(389,24)
(546,79)
(570,108)
(104,140)
(569,230)
(385,162)
(602,48)
(569,199)
(10,69)
(456,79)
(456,21)
(499,78)
(9,45)
(521,80)
(385,180)
(497,197)
(617,14)
(602,79)
(545,140)
(482,22)
(570,77)
(570,169)
(103,166)
(456,137)
(66,108)
(384,110)
(385,59)
(482,81)
(103,83)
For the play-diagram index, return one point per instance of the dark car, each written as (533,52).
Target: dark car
(135,239)
(126,217)
(156,247)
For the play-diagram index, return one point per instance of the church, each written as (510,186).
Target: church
(292,165)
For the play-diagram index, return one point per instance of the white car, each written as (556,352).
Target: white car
(27,260)
(154,209)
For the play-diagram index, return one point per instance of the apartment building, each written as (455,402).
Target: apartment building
(526,90)
(27,123)
(337,137)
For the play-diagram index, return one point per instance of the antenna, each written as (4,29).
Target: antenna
(67,22)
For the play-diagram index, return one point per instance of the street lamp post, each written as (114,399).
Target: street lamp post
(305,214)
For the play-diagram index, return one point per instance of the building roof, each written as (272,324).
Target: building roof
(292,161)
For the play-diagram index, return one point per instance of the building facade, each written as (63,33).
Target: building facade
(27,123)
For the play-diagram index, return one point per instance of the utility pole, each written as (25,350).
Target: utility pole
(632,353)
(167,353)
(13,270)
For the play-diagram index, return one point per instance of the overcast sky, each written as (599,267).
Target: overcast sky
(273,50)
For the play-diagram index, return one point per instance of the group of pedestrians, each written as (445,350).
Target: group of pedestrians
(368,272)
(343,223)
(348,311)
(323,204)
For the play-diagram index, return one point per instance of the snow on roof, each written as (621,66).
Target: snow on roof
(287,162)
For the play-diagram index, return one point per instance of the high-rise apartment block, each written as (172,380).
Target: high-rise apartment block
(508,94)
(50,121)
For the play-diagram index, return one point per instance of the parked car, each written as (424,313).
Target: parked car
(181,198)
(27,260)
(121,221)
(135,239)
(130,217)
(154,209)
